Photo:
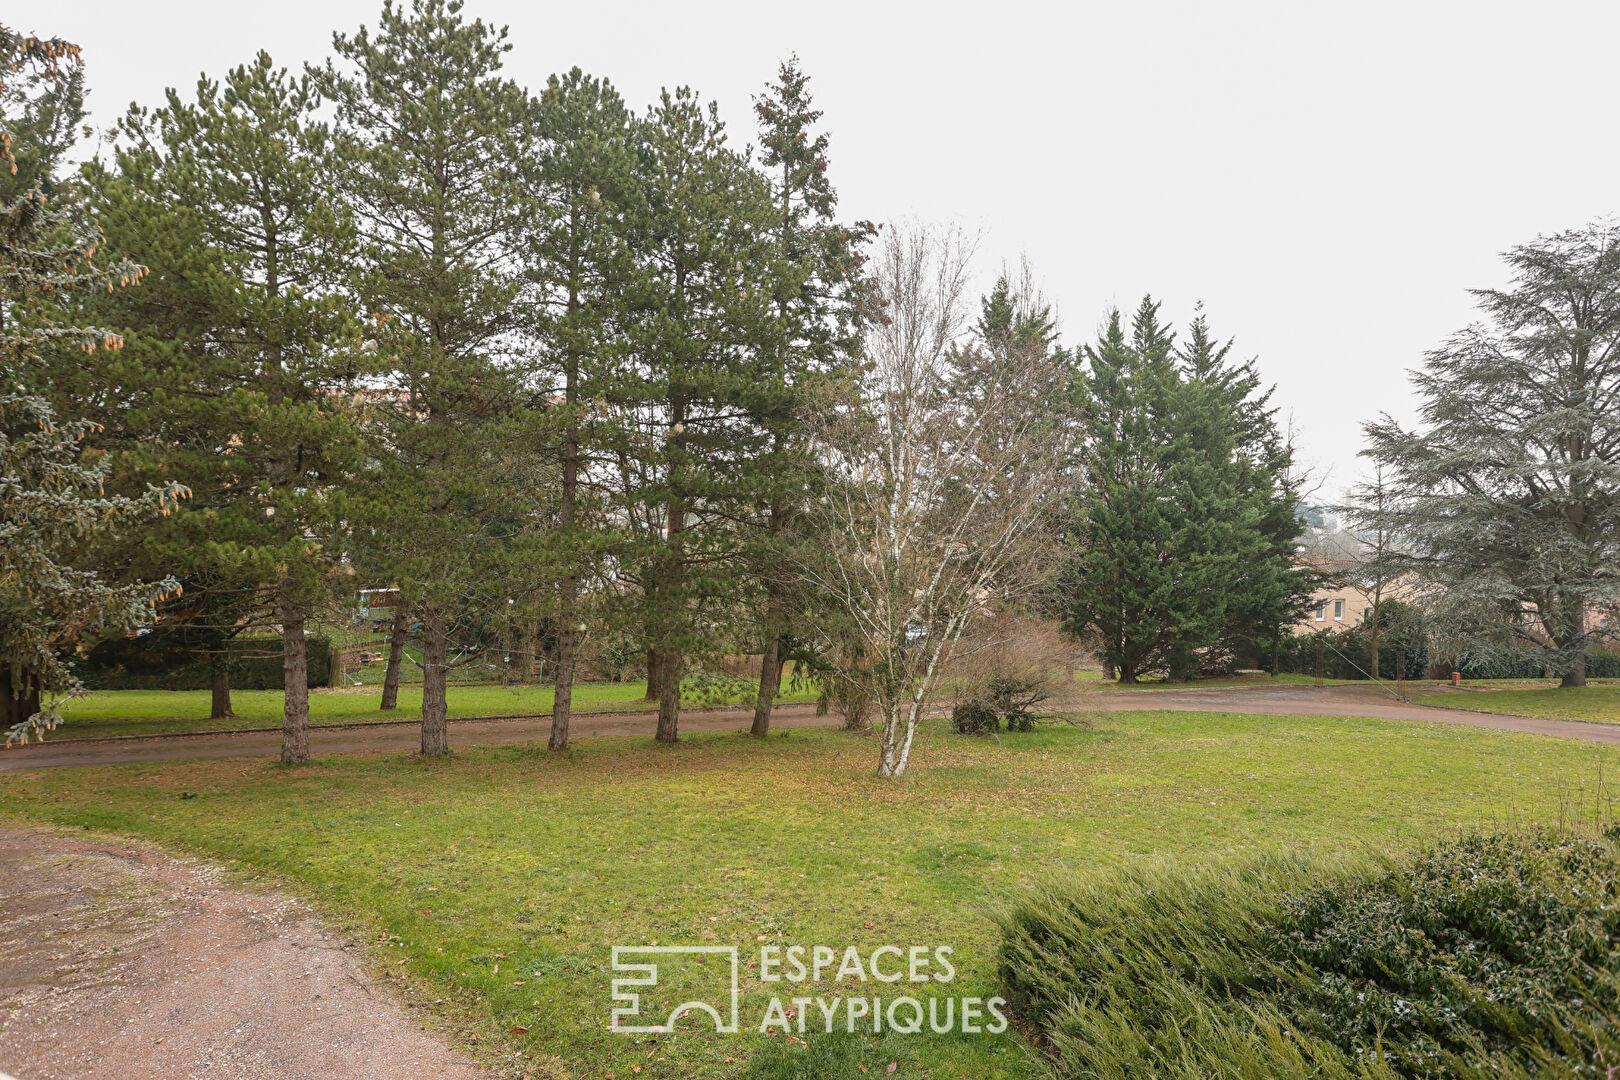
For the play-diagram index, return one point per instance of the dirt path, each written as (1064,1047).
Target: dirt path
(392,738)
(403,738)
(118,962)
(1339,700)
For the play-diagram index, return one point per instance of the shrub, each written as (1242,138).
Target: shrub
(1491,956)
(1015,698)
(975,717)
(1467,953)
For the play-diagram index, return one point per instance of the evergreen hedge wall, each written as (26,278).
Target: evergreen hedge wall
(143,663)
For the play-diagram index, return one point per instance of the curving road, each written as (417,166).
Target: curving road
(1350,701)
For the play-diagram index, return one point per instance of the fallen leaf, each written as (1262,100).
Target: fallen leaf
(893,1065)
(520,982)
(518,1029)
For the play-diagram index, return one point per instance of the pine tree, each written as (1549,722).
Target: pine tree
(1506,500)
(703,337)
(817,292)
(244,333)
(580,261)
(436,150)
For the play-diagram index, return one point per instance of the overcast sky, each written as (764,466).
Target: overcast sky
(1329,179)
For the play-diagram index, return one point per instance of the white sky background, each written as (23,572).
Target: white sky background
(1328,178)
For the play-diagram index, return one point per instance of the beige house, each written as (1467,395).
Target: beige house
(1339,603)
(1335,607)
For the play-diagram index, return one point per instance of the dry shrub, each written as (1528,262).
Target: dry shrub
(1017,665)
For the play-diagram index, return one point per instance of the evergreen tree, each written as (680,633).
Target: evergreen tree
(436,152)
(42,101)
(1225,410)
(703,333)
(1182,533)
(242,350)
(1505,502)
(817,291)
(52,487)
(581,264)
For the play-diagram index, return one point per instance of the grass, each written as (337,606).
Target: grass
(153,712)
(494,884)
(1599,703)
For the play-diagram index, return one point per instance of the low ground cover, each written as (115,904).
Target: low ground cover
(496,882)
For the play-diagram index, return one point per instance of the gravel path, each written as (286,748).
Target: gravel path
(392,738)
(1347,701)
(119,962)
(1341,700)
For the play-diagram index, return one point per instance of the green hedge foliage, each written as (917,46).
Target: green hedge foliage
(145,663)
(1489,956)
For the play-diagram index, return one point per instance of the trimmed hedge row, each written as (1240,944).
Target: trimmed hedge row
(1598,666)
(1346,654)
(144,663)
(1489,956)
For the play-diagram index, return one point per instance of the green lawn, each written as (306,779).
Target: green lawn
(1598,702)
(495,883)
(151,712)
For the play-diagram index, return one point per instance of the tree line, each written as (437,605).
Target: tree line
(557,369)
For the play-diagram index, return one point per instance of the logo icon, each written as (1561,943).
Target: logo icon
(646,975)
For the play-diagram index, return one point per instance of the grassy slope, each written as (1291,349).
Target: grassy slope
(1600,703)
(144,712)
(506,855)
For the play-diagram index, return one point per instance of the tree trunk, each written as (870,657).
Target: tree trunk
(396,655)
(899,726)
(562,703)
(220,689)
(653,676)
(435,712)
(1576,675)
(669,696)
(1127,675)
(1372,645)
(294,681)
(8,701)
(19,699)
(770,685)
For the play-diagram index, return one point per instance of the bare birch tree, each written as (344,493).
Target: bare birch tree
(933,494)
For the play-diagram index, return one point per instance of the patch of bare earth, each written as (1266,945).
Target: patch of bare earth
(120,962)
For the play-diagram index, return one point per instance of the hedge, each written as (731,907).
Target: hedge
(145,663)
(1488,956)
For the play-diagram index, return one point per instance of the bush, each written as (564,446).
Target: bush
(1599,665)
(1491,956)
(975,717)
(1345,654)
(846,694)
